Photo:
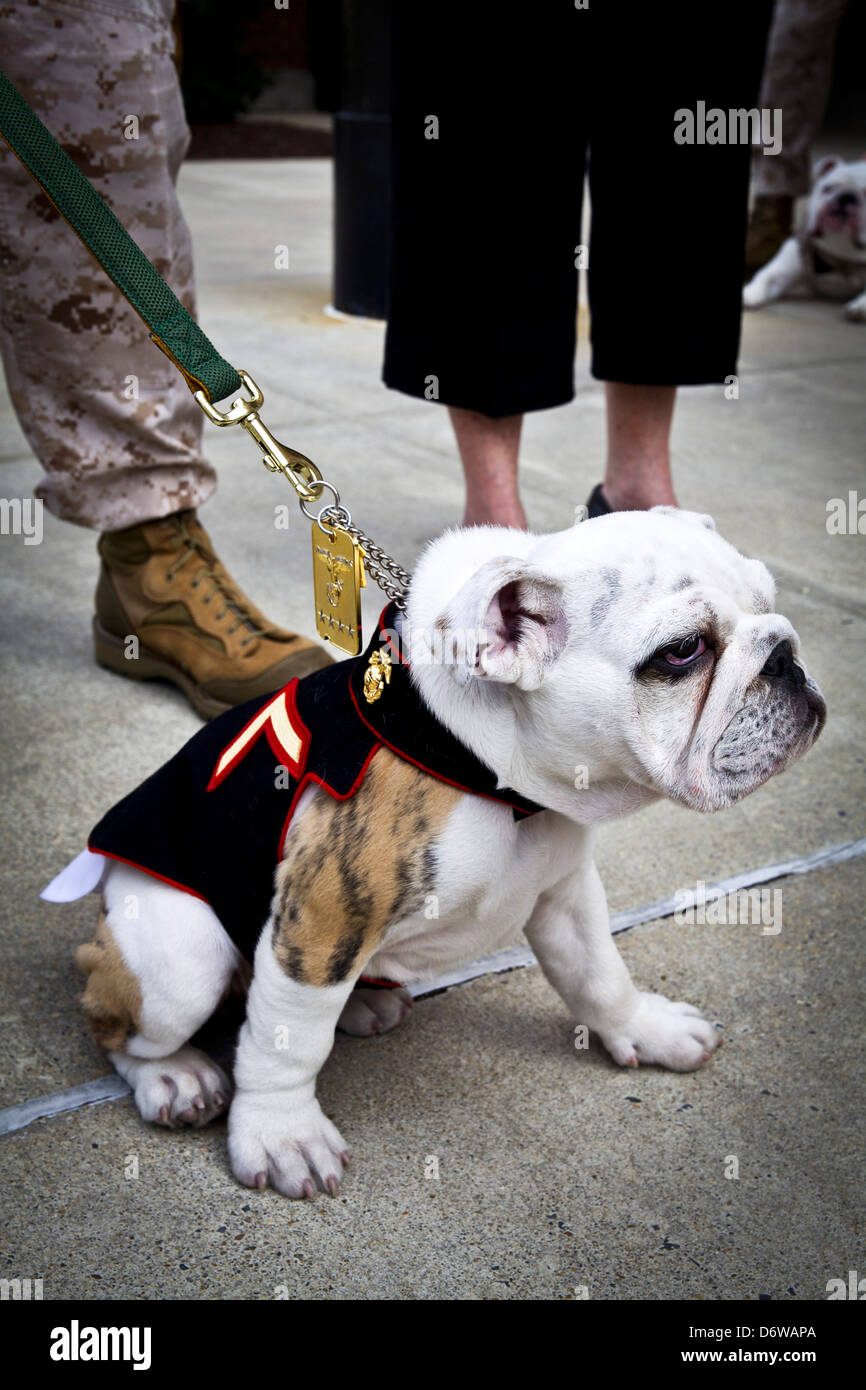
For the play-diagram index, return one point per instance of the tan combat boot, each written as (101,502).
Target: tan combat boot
(161,583)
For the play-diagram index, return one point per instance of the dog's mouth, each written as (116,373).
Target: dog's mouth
(841,216)
(741,760)
(817,706)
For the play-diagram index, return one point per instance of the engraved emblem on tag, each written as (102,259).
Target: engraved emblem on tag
(376,676)
(338,578)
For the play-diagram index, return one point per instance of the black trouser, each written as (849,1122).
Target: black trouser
(486,218)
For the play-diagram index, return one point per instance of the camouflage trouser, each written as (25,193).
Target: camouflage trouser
(109,418)
(797,74)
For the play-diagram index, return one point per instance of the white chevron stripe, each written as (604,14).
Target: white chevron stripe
(277,715)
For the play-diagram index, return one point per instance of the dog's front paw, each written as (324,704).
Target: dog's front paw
(855,310)
(758,292)
(292,1145)
(669,1034)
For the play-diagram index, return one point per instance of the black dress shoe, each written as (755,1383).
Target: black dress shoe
(597,504)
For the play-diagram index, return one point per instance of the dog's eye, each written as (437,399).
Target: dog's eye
(676,658)
(685,652)
(829,187)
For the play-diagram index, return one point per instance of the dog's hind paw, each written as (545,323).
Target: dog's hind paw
(186,1088)
(369,1011)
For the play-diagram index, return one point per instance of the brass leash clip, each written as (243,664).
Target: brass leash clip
(301,472)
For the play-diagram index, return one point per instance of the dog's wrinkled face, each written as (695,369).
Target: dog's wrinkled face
(639,648)
(722,698)
(837,208)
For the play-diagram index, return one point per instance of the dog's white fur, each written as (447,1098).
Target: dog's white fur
(835,229)
(553,631)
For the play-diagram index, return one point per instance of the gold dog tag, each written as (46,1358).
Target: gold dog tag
(338,578)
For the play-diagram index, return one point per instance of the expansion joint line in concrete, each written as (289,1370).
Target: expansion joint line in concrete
(106,1088)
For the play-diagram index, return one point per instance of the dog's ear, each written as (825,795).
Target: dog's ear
(505,624)
(695,518)
(823,166)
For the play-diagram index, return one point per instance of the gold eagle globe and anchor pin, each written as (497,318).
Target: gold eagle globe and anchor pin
(376,676)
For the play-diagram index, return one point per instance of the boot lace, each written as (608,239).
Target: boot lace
(234,602)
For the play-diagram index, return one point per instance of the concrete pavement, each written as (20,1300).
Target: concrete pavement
(556,1171)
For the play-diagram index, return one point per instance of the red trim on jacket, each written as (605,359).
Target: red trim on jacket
(172,883)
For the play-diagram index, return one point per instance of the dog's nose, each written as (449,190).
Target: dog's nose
(846,200)
(781,666)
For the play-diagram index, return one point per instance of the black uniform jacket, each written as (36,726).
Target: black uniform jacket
(213,820)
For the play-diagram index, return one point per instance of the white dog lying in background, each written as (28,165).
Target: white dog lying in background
(828,258)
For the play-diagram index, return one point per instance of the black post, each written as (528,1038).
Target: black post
(361,160)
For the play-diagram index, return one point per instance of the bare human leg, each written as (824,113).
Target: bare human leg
(638,455)
(638,473)
(489,451)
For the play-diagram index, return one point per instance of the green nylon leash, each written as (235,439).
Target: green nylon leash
(171,326)
(209,376)
(341,550)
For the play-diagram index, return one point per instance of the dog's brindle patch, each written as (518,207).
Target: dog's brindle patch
(352,868)
(603,604)
(112,997)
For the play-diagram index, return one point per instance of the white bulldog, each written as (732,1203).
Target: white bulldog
(633,657)
(829,257)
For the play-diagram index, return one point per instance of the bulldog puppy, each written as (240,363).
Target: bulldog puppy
(829,257)
(556,681)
